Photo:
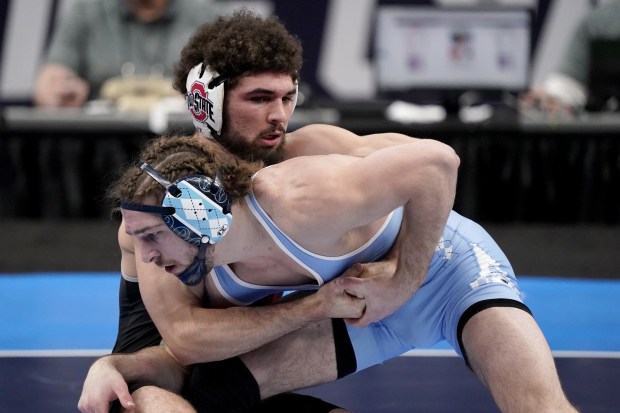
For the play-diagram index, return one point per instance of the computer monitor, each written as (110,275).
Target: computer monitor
(432,53)
(604,78)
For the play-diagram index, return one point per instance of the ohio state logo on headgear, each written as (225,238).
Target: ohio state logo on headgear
(198,102)
(205,101)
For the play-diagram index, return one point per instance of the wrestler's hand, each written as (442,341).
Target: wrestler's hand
(104,384)
(375,282)
(336,302)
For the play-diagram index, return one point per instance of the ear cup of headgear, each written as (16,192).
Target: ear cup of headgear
(203,209)
(205,100)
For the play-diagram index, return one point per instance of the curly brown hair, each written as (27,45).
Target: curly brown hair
(175,157)
(239,44)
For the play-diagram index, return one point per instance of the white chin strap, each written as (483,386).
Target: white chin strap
(205,100)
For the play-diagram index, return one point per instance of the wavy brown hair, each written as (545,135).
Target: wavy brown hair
(175,157)
(242,43)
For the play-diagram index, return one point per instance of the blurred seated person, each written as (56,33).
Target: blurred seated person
(117,49)
(567,90)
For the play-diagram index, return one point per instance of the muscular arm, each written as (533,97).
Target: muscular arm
(431,169)
(195,334)
(430,197)
(420,175)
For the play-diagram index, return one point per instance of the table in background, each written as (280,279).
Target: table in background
(57,163)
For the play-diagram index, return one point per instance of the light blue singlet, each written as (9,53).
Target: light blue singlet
(468,267)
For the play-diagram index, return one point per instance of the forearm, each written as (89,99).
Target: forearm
(426,190)
(152,364)
(414,249)
(203,335)
(424,220)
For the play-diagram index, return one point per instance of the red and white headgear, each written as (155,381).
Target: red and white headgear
(205,100)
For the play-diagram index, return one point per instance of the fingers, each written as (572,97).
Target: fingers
(356,293)
(355,321)
(122,393)
(355,270)
(355,286)
(361,321)
(353,293)
(127,402)
(371,269)
(100,403)
(93,407)
(103,406)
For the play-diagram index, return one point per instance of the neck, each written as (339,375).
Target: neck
(245,239)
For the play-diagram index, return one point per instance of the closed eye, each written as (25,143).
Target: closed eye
(153,237)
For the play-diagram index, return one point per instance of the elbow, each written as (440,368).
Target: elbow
(181,353)
(184,358)
(186,354)
(444,160)
(186,350)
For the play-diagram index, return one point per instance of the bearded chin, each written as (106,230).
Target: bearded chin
(253,153)
(275,155)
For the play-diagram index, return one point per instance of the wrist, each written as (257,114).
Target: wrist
(311,308)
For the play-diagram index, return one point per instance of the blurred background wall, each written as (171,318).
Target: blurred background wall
(336,36)
(548,192)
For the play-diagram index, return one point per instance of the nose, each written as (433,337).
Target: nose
(149,254)
(279,112)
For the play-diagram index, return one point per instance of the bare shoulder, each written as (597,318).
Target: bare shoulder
(309,131)
(316,139)
(325,139)
(295,193)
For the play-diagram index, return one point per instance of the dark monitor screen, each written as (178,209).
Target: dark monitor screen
(420,48)
(604,81)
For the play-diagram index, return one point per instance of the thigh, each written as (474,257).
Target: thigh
(151,399)
(303,358)
(509,353)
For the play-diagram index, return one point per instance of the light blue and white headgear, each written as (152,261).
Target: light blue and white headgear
(205,99)
(197,209)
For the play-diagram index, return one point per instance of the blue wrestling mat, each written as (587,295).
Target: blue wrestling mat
(65,311)
(53,325)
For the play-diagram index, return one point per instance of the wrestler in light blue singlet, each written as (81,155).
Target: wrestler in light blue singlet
(322,268)
(468,267)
